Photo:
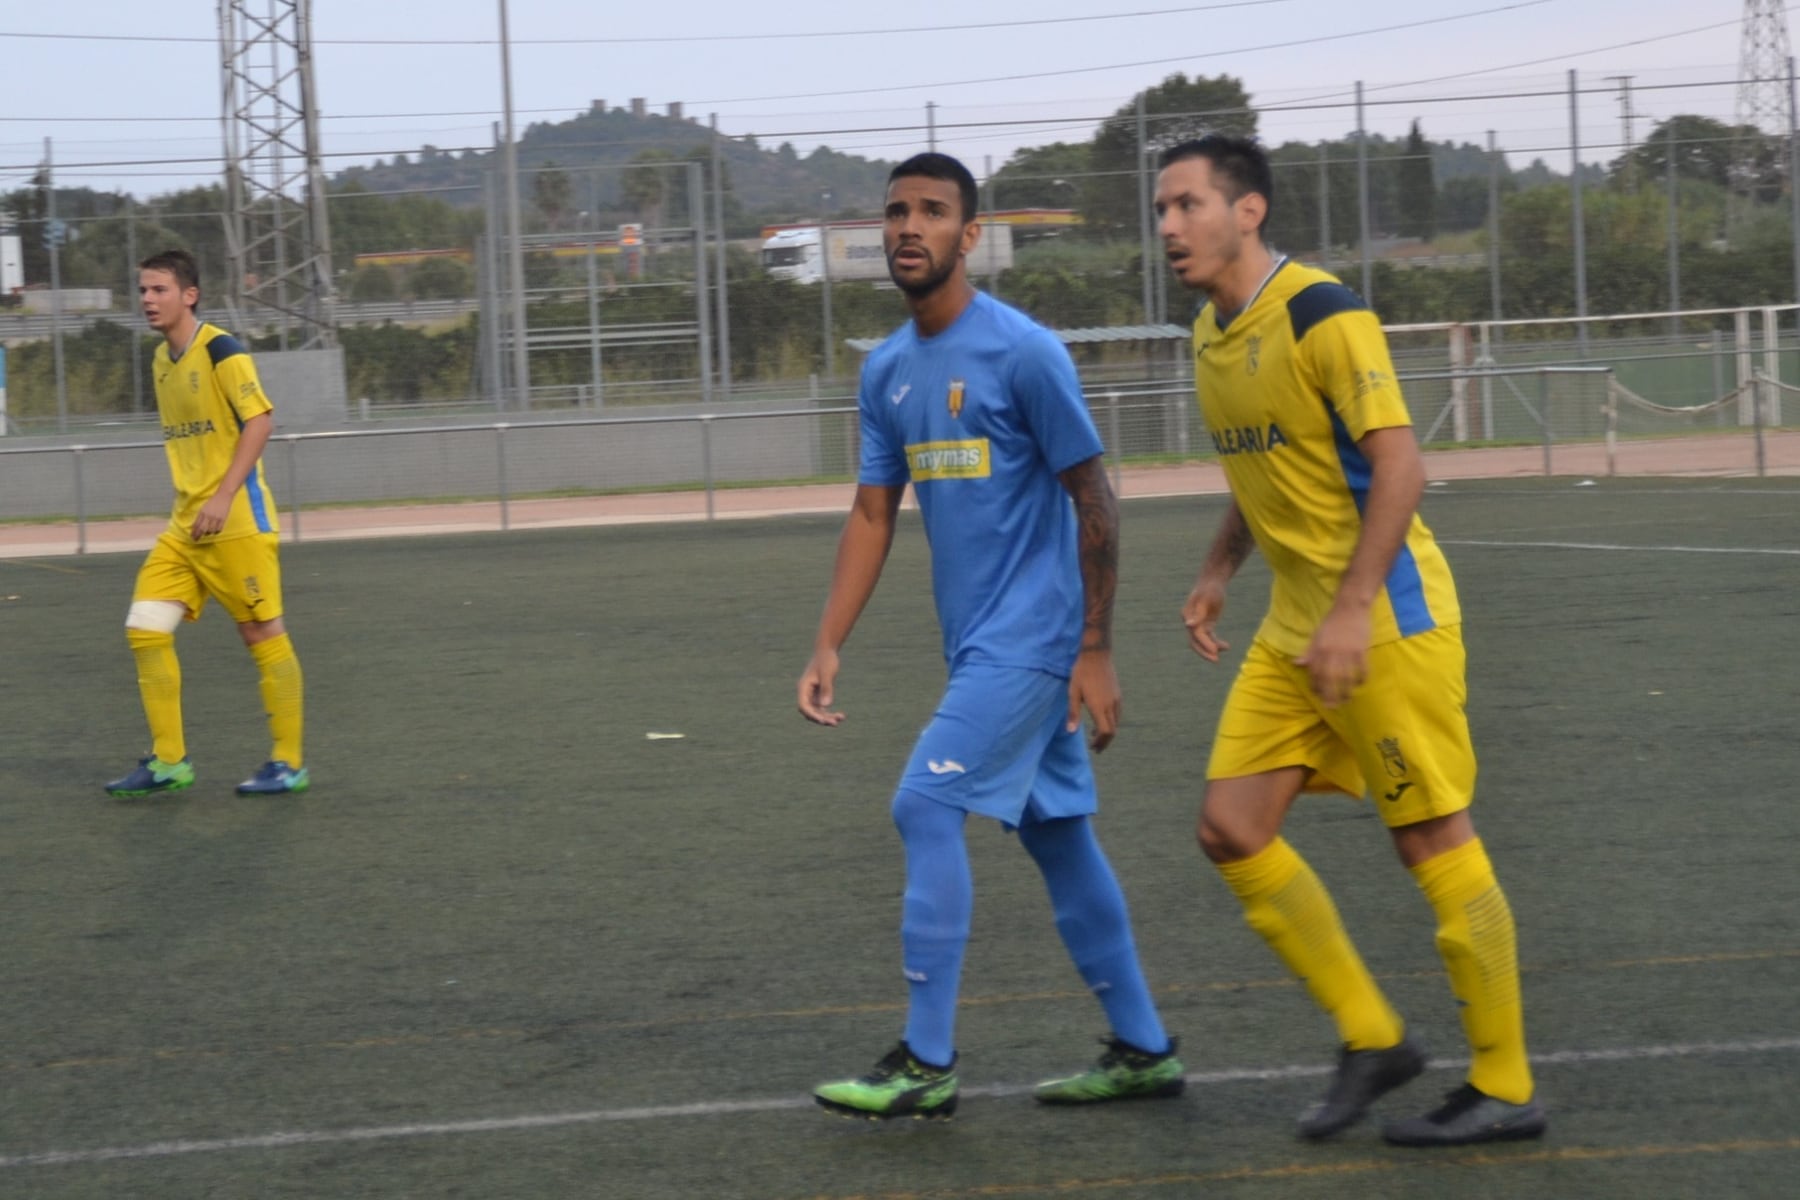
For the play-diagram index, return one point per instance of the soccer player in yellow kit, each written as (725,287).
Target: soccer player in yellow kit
(1355,680)
(222,540)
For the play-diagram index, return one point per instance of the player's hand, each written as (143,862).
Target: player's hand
(1338,658)
(815,688)
(1094,685)
(1205,604)
(211,517)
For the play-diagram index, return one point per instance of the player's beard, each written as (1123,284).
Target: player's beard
(935,277)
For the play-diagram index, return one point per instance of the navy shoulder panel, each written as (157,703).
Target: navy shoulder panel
(1310,305)
(225,346)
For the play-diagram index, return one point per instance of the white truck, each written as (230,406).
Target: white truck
(854,250)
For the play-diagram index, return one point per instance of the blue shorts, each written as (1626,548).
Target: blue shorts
(997,747)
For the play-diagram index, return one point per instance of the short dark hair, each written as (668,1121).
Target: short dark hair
(932,165)
(1239,164)
(178,263)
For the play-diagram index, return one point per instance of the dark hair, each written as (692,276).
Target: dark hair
(932,165)
(178,263)
(1239,165)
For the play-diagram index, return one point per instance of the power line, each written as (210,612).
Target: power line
(490,113)
(1153,62)
(1053,124)
(790,35)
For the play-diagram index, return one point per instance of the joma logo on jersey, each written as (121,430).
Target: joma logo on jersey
(1372,380)
(1247,439)
(187,429)
(949,460)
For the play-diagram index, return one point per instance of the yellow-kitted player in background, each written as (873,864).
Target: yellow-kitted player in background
(222,540)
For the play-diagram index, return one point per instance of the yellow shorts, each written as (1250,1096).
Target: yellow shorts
(242,574)
(1401,739)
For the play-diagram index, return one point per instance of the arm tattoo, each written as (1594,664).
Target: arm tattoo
(1097,525)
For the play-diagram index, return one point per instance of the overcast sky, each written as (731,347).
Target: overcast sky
(119,83)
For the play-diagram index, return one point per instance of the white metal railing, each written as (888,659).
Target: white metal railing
(810,443)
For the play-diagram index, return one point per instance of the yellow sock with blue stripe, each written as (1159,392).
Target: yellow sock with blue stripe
(1475,937)
(159,684)
(1285,902)
(282,694)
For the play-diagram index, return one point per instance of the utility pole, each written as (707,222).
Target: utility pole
(521,350)
(1628,167)
(1762,102)
(277,230)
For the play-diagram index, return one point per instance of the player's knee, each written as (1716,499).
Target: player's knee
(1224,840)
(155,616)
(920,818)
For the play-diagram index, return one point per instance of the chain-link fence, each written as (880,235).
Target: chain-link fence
(1514,208)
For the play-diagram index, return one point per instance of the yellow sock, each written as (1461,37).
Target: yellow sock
(159,683)
(1285,902)
(1475,937)
(282,696)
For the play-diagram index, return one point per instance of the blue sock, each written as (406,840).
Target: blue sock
(1095,927)
(934,922)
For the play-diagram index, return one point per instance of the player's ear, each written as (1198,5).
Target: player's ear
(971,234)
(1251,208)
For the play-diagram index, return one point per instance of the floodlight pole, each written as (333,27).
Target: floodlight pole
(515,237)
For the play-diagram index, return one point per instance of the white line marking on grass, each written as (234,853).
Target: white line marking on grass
(377,1133)
(1616,546)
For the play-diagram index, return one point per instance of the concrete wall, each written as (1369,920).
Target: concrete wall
(129,475)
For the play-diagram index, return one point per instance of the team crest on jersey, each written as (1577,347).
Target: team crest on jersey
(1390,756)
(956,398)
(193,381)
(1252,354)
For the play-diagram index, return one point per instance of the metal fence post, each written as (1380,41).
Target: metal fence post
(706,471)
(293,445)
(1112,435)
(1612,424)
(1759,383)
(1544,413)
(80,505)
(500,455)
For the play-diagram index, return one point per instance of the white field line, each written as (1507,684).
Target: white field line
(375,1133)
(1614,546)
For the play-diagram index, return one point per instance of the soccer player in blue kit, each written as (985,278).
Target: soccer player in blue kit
(979,408)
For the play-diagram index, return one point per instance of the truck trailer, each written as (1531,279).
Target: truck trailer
(855,253)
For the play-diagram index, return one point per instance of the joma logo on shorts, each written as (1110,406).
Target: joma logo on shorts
(949,460)
(187,429)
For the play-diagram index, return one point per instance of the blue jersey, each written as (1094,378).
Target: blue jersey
(981,419)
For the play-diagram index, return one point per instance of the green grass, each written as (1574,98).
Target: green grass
(500,902)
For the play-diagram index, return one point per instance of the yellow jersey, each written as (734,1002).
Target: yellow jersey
(204,397)
(1287,388)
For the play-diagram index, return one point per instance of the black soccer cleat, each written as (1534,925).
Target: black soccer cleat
(1363,1077)
(1469,1116)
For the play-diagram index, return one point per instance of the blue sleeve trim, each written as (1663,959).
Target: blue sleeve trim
(223,347)
(1316,303)
(1405,586)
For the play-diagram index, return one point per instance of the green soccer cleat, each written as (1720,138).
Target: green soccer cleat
(1123,1073)
(274,779)
(151,776)
(899,1086)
